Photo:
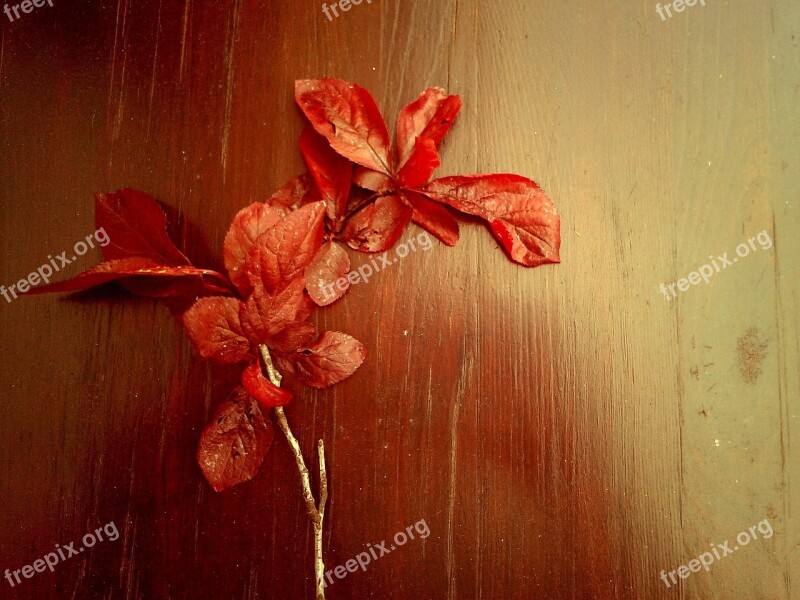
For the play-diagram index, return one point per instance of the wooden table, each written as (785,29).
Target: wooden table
(563,432)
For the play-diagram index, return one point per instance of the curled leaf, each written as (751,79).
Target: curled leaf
(331,172)
(433,217)
(262,389)
(519,213)
(233,445)
(421,165)
(429,117)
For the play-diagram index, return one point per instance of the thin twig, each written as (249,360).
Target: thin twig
(314,513)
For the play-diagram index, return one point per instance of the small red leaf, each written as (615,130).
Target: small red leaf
(293,336)
(262,388)
(248,224)
(264,315)
(430,117)
(347,116)
(215,330)
(147,273)
(136,226)
(421,165)
(331,359)
(519,213)
(282,253)
(377,226)
(433,217)
(330,264)
(293,195)
(331,172)
(233,445)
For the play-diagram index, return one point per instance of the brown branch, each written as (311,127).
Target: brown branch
(316,514)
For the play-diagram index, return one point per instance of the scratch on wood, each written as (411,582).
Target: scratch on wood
(230,44)
(451,495)
(183,39)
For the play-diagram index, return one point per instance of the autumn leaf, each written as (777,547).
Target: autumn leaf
(347,116)
(433,217)
(330,265)
(421,165)
(136,227)
(264,315)
(282,253)
(429,117)
(248,224)
(331,173)
(377,226)
(233,445)
(148,273)
(294,194)
(519,213)
(215,330)
(331,359)
(262,389)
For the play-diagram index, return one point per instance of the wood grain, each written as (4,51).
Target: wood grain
(564,432)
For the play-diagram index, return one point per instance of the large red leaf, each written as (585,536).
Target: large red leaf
(377,226)
(262,388)
(347,116)
(433,217)
(519,213)
(430,117)
(330,265)
(371,180)
(264,315)
(248,224)
(214,327)
(147,273)
(331,172)
(233,445)
(136,226)
(331,359)
(282,253)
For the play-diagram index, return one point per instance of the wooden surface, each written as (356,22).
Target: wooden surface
(564,432)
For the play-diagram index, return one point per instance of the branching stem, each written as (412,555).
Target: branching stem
(315,513)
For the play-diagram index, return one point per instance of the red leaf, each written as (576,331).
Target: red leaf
(293,336)
(248,224)
(293,194)
(331,359)
(215,330)
(347,116)
(520,215)
(433,217)
(146,272)
(419,168)
(377,226)
(331,172)
(371,180)
(136,226)
(264,315)
(430,117)
(330,264)
(282,253)
(262,388)
(233,445)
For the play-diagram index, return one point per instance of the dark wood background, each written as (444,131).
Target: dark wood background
(565,432)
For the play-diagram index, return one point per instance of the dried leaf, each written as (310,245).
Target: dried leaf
(419,168)
(233,445)
(331,172)
(248,224)
(429,117)
(347,116)
(433,217)
(377,226)
(330,264)
(520,215)
(215,330)
(331,359)
(262,388)
(264,315)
